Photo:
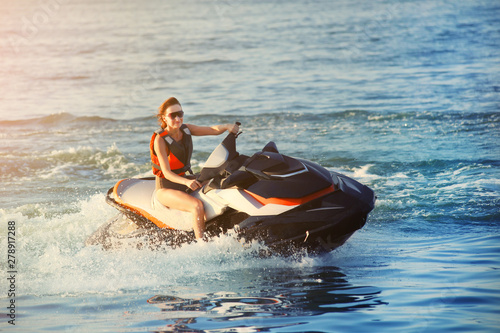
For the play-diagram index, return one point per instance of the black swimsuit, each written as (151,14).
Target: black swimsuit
(165,183)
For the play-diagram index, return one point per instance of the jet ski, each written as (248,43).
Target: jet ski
(287,204)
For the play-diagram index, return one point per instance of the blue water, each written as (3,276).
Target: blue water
(403,96)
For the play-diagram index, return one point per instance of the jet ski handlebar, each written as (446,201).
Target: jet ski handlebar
(239,124)
(219,158)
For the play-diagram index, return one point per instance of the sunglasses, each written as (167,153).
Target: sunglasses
(173,115)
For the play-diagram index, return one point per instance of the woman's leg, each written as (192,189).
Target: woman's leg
(182,201)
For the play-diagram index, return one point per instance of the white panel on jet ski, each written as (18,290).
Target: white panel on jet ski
(244,202)
(213,205)
(217,158)
(139,193)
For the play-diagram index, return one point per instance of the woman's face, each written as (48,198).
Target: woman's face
(174,116)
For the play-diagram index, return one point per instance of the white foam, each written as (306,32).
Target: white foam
(53,259)
(360,174)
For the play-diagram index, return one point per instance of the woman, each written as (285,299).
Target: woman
(171,148)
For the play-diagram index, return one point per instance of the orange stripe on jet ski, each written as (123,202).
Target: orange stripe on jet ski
(291,201)
(136,210)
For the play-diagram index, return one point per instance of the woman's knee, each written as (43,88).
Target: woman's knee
(198,207)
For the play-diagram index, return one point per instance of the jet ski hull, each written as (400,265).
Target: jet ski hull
(285,203)
(317,226)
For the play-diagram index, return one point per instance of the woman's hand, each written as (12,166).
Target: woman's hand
(192,184)
(233,128)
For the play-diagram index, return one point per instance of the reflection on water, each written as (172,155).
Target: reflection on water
(265,300)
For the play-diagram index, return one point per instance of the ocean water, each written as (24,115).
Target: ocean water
(403,96)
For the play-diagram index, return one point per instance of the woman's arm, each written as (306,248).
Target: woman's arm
(212,130)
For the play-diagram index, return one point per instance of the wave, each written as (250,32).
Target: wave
(288,114)
(456,121)
(70,163)
(53,257)
(188,63)
(64,128)
(68,77)
(54,120)
(437,192)
(215,61)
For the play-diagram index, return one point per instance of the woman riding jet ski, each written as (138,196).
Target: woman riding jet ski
(171,148)
(286,203)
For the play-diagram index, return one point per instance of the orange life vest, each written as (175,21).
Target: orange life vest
(179,157)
